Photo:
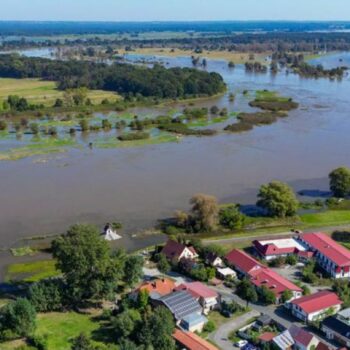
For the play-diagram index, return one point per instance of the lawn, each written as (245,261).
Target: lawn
(61,328)
(43,92)
(32,271)
(327,218)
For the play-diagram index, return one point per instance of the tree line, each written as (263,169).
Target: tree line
(124,79)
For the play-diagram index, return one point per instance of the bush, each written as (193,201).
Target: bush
(291,260)
(209,327)
(47,295)
(17,319)
(231,217)
(39,342)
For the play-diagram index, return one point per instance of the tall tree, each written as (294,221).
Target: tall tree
(205,212)
(247,291)
(133,270)
(86,263)
(278,199)
(339,182)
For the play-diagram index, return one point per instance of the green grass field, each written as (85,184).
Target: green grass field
(32,271)
(327,218)
(43,92)
(61,328)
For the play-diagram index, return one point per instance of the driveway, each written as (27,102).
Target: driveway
(220,336)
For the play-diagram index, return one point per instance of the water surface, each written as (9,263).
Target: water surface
(141,185)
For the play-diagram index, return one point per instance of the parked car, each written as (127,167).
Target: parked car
(241,343)
(249,346)
(226,313)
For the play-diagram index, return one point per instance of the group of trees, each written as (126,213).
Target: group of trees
(121,78)
(91,272)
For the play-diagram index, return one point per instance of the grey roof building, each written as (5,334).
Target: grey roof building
(336,329)
(181,304)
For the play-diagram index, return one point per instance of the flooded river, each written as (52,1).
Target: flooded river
(138,186)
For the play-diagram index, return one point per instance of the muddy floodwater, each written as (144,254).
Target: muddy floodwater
(138,186)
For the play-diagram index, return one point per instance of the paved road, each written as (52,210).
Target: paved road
(278,314)
(275,235)
(220,336)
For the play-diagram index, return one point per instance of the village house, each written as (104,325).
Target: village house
(213,260)
(331,256)
(191,341)
(272,249)
(337,327)
(207,297)
(303,340)
(156,288)
(261,275)
(295,338)
(175,251)
(316,306)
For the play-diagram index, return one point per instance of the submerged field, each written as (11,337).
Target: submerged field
(43,92)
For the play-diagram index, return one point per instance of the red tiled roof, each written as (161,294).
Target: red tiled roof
(161,286)
(198,290)
(192,341)
(328,247)
(306,254)
(272,249)
(273,281)
(267,336)
(242,261)
(323,346)
(300,335)
(173,249)
(318,301)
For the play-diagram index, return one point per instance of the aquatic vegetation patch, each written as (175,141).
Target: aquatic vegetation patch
(22,251)
(271,101)
(40,147)
(113,142)
(32,271)
(182,129)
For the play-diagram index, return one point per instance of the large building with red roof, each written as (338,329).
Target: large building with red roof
(331,256)
(242,262)
(316,306)
(272,249)
(191,341)
(260,275)
(207,297)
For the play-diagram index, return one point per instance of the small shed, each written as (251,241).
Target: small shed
(226,272)
(194,322)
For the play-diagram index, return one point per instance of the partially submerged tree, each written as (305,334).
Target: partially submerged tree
(278,199)
(205,212)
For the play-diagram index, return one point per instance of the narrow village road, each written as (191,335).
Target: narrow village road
(274,235)
(220,336)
